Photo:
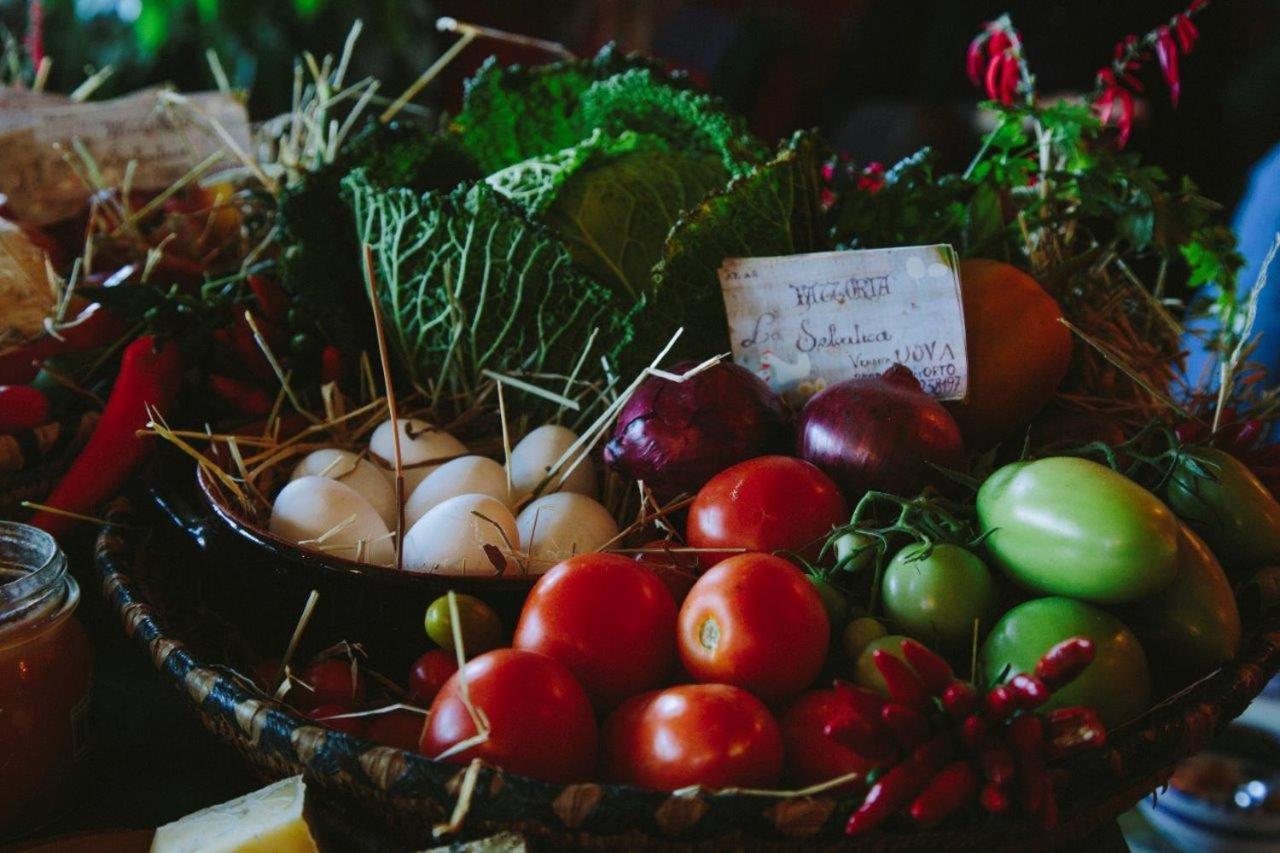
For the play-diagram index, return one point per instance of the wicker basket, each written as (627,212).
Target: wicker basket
(375,797)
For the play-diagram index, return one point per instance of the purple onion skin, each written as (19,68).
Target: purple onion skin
(678,435)
(878,434)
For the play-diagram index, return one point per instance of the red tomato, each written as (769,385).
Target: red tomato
(814,757)
(540,719)
(695,734)
(429,673)
(331,682)
(756,622)
(328,715)
(677,571)
(399,728)
(770,503)
(608,619)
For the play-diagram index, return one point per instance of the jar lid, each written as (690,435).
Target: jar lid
(33,574)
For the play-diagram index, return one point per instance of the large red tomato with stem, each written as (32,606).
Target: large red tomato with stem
(608,619)
(812,755)
(713,735)
(540,719)
(770,503)
(754,621)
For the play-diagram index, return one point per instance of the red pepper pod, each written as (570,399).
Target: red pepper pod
(1028,691)
(1072,730)
(954,786)
(959,699)
(1048,805)
(1001,702)
(874,743)
(934,752)
(933,670)
(973,733)
(1026,738)
(904,685)
(271,298)
(887,796)
(1060,665)
(994,798)
(909,726)
(973,58)
(22,407)
(150,375)
(245,397)
(331,363)
(866,703)
(998,765)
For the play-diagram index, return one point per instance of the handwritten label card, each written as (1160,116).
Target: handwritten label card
(802,322)
(164,141)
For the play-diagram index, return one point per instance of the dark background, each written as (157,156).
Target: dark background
(880,77)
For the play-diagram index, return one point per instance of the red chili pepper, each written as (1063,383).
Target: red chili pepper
(1026,738)
(271,298)
(1064,662)
(973,58)
(1167,54)
(330,364)
(245,347)
(959,699)
(909,726)
(934,752)
(874,743)
(1048,805)
(866,703)
(904,685)
(933,670)
(22,407)
(994,798)
(997,765)
(1009,80)
(995,71)
(1001,702)
(973,733)
(1238,438)
(94,326)
(890,793)
(1029,692)
(245,397)
(1072,730)
(149,376)
(954,786)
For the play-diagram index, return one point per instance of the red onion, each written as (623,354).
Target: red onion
(677,435)
(878,434)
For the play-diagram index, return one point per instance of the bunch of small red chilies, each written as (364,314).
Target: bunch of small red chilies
(941,747)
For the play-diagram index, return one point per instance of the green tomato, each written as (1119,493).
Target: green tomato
(855,551)
(1192,626)
(1230,508)
(1068,526)
(859,634)
(864,670)
(1117,684)
(936,599)
(833,601)
(480,627)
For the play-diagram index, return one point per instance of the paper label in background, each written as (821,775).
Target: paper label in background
(165,142)
(802,322)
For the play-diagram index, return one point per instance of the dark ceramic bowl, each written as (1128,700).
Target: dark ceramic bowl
(265,579)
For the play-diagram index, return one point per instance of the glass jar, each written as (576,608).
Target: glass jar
(44,678)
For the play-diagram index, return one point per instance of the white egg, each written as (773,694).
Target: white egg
(419,442)
(350,470)
(451,538)
(533,456)
(555,527)
(470,475)
(317,508)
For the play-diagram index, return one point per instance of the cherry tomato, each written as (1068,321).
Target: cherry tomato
(328,715)
(677,571)
(770,503)
(608,619)
(756,622)
(859,634)
(399,728)
(812,756)
(695,734)
(429,673)
(332,682)
(481,629)
(540,719)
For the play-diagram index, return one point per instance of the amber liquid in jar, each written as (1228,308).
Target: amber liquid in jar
(44,679)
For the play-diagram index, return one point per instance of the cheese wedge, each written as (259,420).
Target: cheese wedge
(265,821)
